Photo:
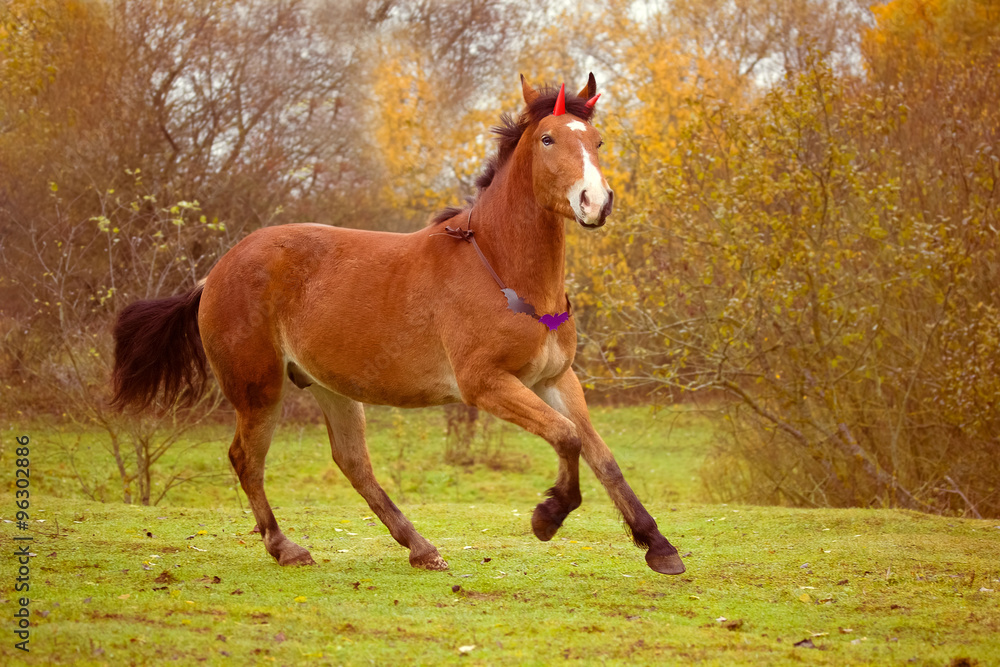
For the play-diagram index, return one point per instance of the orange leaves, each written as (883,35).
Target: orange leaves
(911,39)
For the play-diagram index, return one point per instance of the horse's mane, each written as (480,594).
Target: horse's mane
(509,133)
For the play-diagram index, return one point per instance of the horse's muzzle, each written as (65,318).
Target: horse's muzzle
(605,212)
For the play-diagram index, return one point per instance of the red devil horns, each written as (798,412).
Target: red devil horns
(560,107)
(560,102)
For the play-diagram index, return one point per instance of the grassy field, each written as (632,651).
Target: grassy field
(187,582)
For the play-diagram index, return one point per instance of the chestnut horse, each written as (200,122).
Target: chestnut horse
(407,320)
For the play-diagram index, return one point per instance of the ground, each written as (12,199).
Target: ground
(187,582)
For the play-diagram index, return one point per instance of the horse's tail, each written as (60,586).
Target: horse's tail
(158,345)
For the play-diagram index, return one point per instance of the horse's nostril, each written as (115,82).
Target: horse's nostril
(608,205)
(584,199)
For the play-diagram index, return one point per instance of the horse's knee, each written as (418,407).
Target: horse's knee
(608,472)
(565,438)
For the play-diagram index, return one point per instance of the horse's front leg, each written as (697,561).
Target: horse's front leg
(504,396)
(661,556)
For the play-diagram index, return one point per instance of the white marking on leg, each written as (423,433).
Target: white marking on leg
(577,126)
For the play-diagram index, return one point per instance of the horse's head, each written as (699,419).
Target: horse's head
(566,167)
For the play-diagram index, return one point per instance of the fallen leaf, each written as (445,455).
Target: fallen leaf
(846,631)
(280,637)
(300,598)
(805,597)
(466,649)
(733,625)
(805,643)
(125,596)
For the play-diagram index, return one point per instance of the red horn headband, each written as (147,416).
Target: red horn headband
(560,102)
(560,107)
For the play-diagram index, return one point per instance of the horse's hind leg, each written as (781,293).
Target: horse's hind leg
(345,423)
(254,429)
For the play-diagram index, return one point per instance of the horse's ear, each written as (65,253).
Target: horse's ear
(588,91)
(530,94)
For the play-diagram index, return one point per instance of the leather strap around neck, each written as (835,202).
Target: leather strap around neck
(469,236)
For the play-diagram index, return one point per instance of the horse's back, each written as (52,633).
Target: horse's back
(352,309)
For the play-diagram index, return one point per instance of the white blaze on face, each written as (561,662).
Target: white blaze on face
(591,183)
(576,126)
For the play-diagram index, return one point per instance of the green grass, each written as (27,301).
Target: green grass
(865,586)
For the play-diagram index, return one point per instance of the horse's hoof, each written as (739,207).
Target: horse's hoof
(665,563)
(543,524)
(429,561)
(295,555)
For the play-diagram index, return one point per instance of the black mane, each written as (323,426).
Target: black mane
(509,132)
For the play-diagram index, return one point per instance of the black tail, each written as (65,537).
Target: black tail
(157,344)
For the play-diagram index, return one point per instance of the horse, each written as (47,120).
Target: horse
(407,320)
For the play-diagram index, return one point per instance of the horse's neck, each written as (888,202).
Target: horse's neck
(525,243)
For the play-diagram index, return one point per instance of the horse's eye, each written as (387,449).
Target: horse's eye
(547,140)
(600,143)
